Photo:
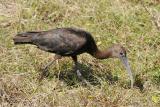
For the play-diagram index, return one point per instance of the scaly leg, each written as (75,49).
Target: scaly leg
(45,69)
(77,70)
(76,67)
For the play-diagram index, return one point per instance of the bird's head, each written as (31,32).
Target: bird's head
(118,51)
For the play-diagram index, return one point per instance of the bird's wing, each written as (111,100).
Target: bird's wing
(63,44)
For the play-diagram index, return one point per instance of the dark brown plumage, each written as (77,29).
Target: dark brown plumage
(70,42)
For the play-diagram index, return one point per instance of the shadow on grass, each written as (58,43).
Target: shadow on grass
(139,82)
(70,77)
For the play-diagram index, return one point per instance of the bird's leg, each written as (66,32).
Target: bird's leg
(76,64)
(78,71)
(45,69)
(58,67)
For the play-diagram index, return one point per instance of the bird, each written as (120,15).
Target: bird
(71,42)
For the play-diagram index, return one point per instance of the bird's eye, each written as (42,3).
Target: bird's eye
(121,53)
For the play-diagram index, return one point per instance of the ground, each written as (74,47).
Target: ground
(133,23)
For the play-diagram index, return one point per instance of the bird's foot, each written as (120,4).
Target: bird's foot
(82,78)
(79,74)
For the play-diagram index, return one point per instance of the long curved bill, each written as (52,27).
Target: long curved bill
(124,59)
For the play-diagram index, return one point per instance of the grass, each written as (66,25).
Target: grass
(120,21)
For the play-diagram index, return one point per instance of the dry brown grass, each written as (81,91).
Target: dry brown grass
(120,21)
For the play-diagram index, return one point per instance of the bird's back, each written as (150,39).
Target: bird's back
(65,41)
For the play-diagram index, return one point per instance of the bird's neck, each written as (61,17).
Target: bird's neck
(99,54)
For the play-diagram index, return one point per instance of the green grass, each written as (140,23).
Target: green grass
(120,21)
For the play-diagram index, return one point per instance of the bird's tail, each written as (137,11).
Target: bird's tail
(24,38)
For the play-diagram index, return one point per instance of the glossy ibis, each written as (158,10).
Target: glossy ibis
(71,42)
